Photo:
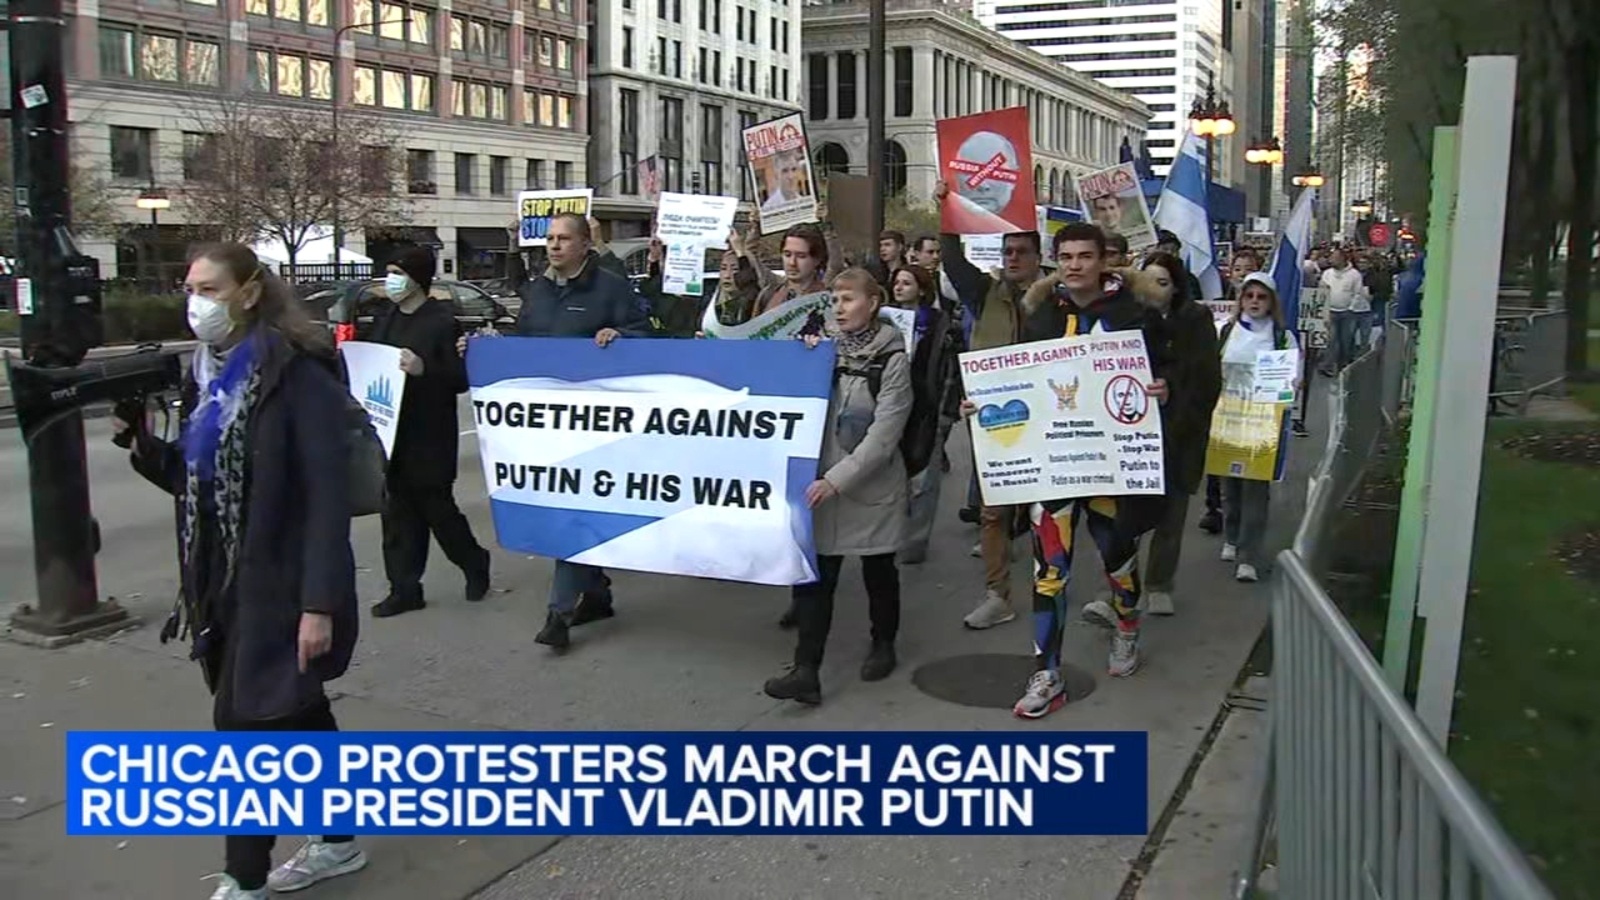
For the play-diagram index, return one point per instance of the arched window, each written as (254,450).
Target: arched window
(1039,185)
(1055,186)
(831,157)
(894,168)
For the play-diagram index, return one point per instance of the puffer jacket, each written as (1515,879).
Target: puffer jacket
(861,453)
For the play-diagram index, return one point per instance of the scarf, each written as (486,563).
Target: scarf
(855,343)
(215,454)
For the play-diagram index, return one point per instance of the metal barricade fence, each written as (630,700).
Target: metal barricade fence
(1529,357)
(1360,801)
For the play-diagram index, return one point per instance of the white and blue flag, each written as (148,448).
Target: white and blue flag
(1181,210)
(644,456)
(1290,255)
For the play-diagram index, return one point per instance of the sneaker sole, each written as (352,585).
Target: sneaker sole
(1098,620)
(353,864)
(985,626)
(1056,703)
(1124,673)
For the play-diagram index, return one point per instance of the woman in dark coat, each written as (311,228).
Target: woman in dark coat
(266,574)
(422,471)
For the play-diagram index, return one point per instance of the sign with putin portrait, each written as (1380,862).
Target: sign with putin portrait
(987,163)
(1114,200)
(780,172)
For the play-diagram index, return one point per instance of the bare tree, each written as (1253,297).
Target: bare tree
(95,208)
(264,169)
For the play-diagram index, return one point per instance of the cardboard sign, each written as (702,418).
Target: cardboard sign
(987,162)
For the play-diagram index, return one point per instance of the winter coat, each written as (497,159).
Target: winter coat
(936,376)
(294,549)
(992,302)
(1194,381)
(774,291)
(596,299)
(427,436)
(861,454)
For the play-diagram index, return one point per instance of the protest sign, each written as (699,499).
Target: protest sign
(536,209)
(780,172)
(377,384)
(795,318)
(1114,200)
(687,224)
(905,320)
(984,251)
(987,162)
(1246,435)
(1052,219)
(640,456)
(1275,376)
(1313,319)
(850,211)
(1064,418)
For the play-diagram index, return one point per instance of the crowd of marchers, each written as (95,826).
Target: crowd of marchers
(268,593)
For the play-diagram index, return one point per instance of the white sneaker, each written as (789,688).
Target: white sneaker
(1099,612)
(994,610)
(1124,658)
(1158,603)
(228,889)
(1230,552)
(315,861)
(1045,695)
(1246,573)
(977,550)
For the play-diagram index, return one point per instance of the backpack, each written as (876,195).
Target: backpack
(367,481)
(920,439)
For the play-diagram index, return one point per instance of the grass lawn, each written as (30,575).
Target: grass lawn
(1589,394)
(1527,723)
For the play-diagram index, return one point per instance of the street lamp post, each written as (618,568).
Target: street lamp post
(338,84)
(154,199)
(1210,118)
(1267,154)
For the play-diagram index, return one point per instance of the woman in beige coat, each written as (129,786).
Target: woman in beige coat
(859,501)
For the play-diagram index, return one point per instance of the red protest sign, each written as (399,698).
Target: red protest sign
(987,162)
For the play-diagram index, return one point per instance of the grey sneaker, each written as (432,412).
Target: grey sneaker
(315,861)
(1246,573)
(1158,603)
(1045,695)
(1124,659)
(994,610)
(977,550)
(1099,612)
(1230,552)
(228,889)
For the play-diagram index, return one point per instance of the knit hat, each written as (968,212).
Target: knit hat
(417,262)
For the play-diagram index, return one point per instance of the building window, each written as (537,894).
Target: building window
(627,172)
(772,32)
(716,16)
(661,55)
(199,156)
(716,67)
(564,112)
(478,39)
(738,22)
(130,152)
(419,172)
(902,81)
(627,47)
(784,73)
(147,56)
(817,85)
(563,174)
(677,11)
(498,168)
(464,164)
(703,12)
(746,119)
(772,82)
(564,55)
(711,149)
(312,12)
(661,9)
(845,97)
(701,74)
(396,20)
(677,59)
(474,100)
(535,175)
(671,153)
(786,37)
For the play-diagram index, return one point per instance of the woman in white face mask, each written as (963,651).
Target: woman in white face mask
(267,579)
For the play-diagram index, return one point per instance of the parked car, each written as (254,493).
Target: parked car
(352,304)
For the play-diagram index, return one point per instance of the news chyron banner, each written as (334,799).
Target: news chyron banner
(641,456)
(1064,418)
(639,783)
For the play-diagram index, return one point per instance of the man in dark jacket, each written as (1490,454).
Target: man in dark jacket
(422,469)
(578,297)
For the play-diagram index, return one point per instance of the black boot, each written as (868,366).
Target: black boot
(790,618)
(554,633)
(971,515)
(399,602)
(478,581)
(879,662)
(1211,522)
(799,683)
(592,607)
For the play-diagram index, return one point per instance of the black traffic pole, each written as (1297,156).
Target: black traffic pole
(875,113)
(60,322)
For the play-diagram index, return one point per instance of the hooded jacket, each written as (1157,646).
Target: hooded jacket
(596,298)
(1194,383)
(861,454)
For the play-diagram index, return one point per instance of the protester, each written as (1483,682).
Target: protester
(1171,244)
(423,464)
(891,256)
(267,584)
(936,383)
(1196,380)
(1245,261)
(1377,278)
(576,297)
(679,315)
(994,303)
(1117,255)
(1347,304)
(1408,289)
(1258,326)
(811,259)
(1083,298)
(859,501)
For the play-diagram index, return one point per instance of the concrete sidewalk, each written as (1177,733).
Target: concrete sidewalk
(681,653)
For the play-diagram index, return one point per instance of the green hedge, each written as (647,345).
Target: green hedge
(130,317)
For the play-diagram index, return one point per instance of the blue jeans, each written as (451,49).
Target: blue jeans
(1345,324)
(571,579)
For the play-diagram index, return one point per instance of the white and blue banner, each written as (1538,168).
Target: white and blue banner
(378,384)
(1181,209)
(613,783)
(1290,255)
(655,456)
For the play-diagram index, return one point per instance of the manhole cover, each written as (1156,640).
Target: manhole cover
(990,680)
